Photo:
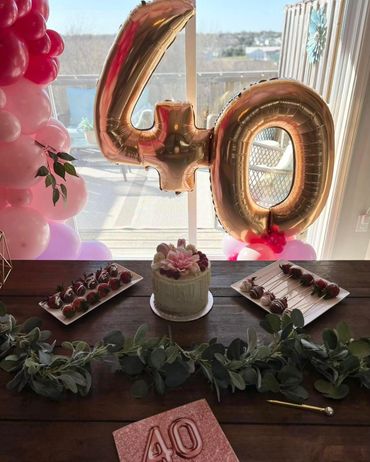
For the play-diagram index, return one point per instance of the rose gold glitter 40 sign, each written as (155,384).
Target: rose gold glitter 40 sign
(5,263)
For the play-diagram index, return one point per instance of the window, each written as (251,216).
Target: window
(233,44)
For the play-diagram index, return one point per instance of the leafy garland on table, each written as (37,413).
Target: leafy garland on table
(162,364)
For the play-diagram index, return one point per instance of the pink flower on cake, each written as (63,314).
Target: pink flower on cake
(181,260)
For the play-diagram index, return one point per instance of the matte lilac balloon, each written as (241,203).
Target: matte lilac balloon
(94,250)
(298,250)
(64,243)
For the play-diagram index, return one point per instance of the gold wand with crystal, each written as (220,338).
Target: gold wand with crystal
(325,410)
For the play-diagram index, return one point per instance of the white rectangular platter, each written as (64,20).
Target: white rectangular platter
(57,313)
(298,296)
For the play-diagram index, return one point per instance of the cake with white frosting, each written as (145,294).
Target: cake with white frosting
(181,277)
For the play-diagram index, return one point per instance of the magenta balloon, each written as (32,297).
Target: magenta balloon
(2,98)
(42,69)
(40,46)
(14,57)
(8,13)
(57,43)
(55,135)
(231,246)
(27,232)
(10,127)
(64,243)
(24,7)
(19,162)
(77,196)
(19,197)
(298,250)
(41,6)
(32,26)
(94,250)
(30,104)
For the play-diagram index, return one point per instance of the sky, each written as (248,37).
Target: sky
(105,16)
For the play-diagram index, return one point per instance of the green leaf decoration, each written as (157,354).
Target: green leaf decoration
(2,309)
(132,365)
(56,196)
(331,391)
(360,348)
(237,380)
(114,340)
(297,318)
(157,358)
(344,332)
(65,156)
(60,169)
(236,348)
(176,374)
(49,180)
(63,190)
(139,389)
(69,168)
(330,339)
(273,320)
(159,384)
(42,171)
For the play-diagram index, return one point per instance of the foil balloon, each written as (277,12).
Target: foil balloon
(175,147)
(305,116)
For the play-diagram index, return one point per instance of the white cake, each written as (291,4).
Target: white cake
(181,277)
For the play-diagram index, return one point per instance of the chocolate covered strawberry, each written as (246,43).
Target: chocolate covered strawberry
(279,305)
(331,290)
(295,272)
(92,297)
(112,270)
(306,279)
(103,289)
(285,268)
(69,311)
(78,288)
(125,277)
(68,295)
(114,283)
(91,282)
(55,302)
(319,287)
(80,304)
(102,275)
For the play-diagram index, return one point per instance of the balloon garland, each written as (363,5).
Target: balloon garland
(32,172)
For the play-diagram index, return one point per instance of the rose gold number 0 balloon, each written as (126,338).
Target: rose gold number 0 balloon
(175,147)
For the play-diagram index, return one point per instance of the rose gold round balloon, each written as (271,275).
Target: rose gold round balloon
(174,146)
(306,117)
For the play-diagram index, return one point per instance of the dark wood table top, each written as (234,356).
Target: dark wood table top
(33,428)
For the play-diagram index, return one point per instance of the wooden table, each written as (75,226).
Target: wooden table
(80,429)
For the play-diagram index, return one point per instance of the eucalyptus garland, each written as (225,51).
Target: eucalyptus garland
(161,364)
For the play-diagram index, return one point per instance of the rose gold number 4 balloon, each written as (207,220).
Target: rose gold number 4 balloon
(175,147)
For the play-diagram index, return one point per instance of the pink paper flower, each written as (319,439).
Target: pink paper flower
(181,260)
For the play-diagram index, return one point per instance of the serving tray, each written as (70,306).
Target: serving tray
(312,306)
(57,313)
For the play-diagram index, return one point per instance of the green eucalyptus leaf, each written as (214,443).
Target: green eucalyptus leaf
(237,380)
(159,384)
(296,394)
(360,348)
(286,331)
(269,383)
(139,389)
(250,376)
(213,348)
(140,334)
(172,354)
(176,374)
(331,391)
(30,324)
(236,348)
(297,318)
(114,340)
(251,339)
(206,372)
(330,339)
(344,332)
(69,382)
(219,370)
(131,365)
(157,358)
(2,309)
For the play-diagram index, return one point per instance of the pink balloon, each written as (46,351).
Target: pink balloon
(27,232)
(3,201)
(231,246)
(64,243)
(94,250)
(298,250)
(24,7)
(57,43)
(42,6)
(42,69)
(8,13)
(14,57)
(2,99)
(19,163)
(77,196)
(40,46)
(10,127)
(255,252)
(19,197)
(55,135)
(30,104)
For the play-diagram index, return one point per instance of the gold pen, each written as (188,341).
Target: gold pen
(324,410)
